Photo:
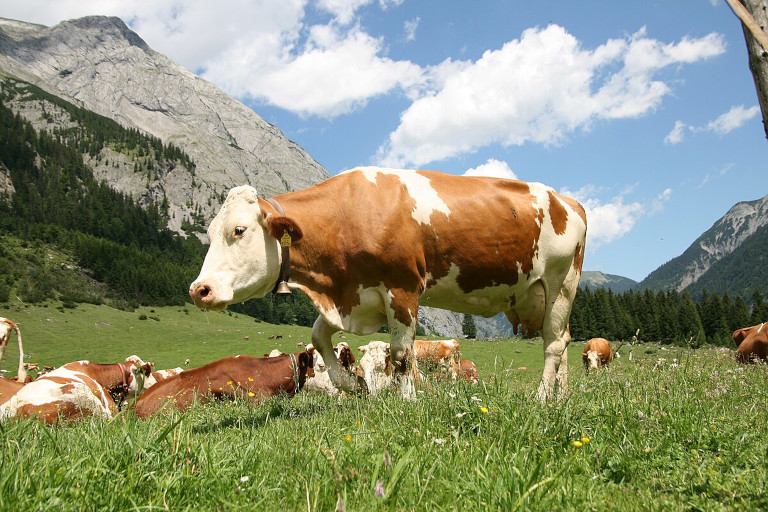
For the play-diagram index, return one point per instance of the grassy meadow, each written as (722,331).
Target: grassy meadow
(673,429)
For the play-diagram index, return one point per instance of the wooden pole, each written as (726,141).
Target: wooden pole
(754,19)
(749,21)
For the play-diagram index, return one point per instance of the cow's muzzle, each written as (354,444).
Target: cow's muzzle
(204,297)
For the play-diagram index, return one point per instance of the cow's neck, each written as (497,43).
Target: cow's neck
(281,286)
(114,377)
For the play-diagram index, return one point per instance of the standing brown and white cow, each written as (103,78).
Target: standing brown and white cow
(370,245)
(597,353)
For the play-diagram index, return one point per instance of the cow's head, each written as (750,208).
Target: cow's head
(138,371)
(243,260)
(592,360)
(344,354)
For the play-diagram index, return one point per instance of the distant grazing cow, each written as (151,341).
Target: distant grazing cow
(160,375)
(752,343)
(468,371)
(78,389)
(7,326)
(369,245)
(597,353)
(442,355)
(8,388)
(251,378)
(375,366)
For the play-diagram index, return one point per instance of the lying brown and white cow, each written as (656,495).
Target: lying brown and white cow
(252,378)
(597,353)
(468,371)
(78,389)
(375,366)
(369,245)
(161,375)
(7,326)
(752,343)
(442,355)
(8,388)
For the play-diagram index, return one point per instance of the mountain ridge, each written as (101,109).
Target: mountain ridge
(98,63)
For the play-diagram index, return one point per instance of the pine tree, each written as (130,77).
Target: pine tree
(468,327)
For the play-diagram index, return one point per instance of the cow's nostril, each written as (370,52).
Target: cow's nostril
(204,291)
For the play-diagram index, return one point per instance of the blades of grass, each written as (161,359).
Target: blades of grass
(168,430)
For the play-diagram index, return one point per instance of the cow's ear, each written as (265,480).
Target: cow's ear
(306,359)
(278,225)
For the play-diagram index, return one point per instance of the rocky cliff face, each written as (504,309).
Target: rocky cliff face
(727,235)
(99,64)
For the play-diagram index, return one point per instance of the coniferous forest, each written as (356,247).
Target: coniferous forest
(66,237)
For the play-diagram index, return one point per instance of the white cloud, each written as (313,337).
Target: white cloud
(410,27)
(336,72)
(610,221)
(493,168)
(539,88)
(677,134)
(732,119)
(726,123)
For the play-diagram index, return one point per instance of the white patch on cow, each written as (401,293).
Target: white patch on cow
(376,366)
(418,187)
(365,318)
(761,327)
(321,382)
(594,359)
(445,293)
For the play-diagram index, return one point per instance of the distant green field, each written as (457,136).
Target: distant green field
(168,336)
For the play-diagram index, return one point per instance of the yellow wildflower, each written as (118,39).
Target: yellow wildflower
(585,439)
(578,444)
(251,394)
(349,438)
(484,410)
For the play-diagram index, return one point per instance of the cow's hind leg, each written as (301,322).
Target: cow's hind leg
(556,339)
(321,339)
(402,322)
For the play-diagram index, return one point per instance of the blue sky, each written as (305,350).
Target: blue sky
(645,111)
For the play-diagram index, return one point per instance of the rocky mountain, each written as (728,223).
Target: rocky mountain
(596,279)
(99,64)
(728,252)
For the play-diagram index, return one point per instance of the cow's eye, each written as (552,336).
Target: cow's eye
(240,231)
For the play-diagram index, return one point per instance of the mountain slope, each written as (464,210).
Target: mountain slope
(595,280)
(98,63)
(740,272)
(723,239)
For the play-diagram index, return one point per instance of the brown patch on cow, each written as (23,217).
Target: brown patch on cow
(557,213)
(578,258)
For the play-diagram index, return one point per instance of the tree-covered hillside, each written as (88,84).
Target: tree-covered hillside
(65,236)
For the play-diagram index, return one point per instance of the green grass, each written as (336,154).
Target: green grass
(685,434)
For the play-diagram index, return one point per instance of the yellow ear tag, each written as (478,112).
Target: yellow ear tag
(285,241)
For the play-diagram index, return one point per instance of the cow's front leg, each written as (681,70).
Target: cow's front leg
(341,378)
(402,330)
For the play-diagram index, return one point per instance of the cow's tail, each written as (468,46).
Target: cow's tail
(22,373)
